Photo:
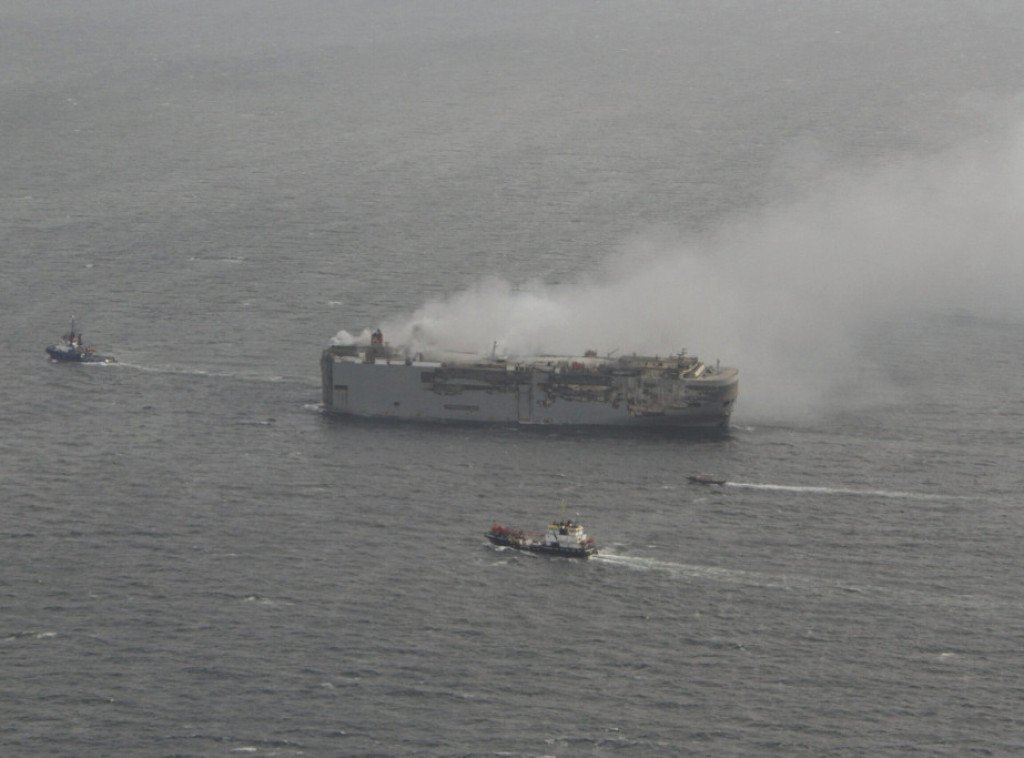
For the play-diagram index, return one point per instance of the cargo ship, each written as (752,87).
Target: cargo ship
(379,381)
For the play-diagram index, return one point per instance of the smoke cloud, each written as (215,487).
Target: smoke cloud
(788,295)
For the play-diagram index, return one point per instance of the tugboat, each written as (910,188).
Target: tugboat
(564,537)
(72,350)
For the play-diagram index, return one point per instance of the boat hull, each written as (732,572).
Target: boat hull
(582,552)
(528,393)
(66,355)
(707,481)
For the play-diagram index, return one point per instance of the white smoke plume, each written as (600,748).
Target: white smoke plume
(788,295)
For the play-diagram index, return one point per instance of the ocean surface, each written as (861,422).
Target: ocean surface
(196,561)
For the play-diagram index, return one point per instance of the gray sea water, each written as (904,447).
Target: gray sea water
(194,560)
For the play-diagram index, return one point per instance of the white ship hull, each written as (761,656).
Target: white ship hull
(379,382)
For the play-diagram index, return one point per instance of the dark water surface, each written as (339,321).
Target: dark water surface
(196,562)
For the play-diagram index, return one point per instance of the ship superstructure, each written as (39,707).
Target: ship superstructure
(379,381)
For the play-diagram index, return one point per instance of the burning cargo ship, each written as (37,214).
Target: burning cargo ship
(376,380)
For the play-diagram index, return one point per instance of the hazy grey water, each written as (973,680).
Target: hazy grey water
(196,562)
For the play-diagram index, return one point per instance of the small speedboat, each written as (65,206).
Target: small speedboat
(564,537)
(70,349)
(705,480)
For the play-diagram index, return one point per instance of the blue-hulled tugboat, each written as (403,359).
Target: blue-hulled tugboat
(72,350)
(564,537)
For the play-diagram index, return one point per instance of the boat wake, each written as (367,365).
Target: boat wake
(215,374)
(915,596)
(836,491)
(712,573)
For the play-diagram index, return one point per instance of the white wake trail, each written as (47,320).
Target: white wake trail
(817,490)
